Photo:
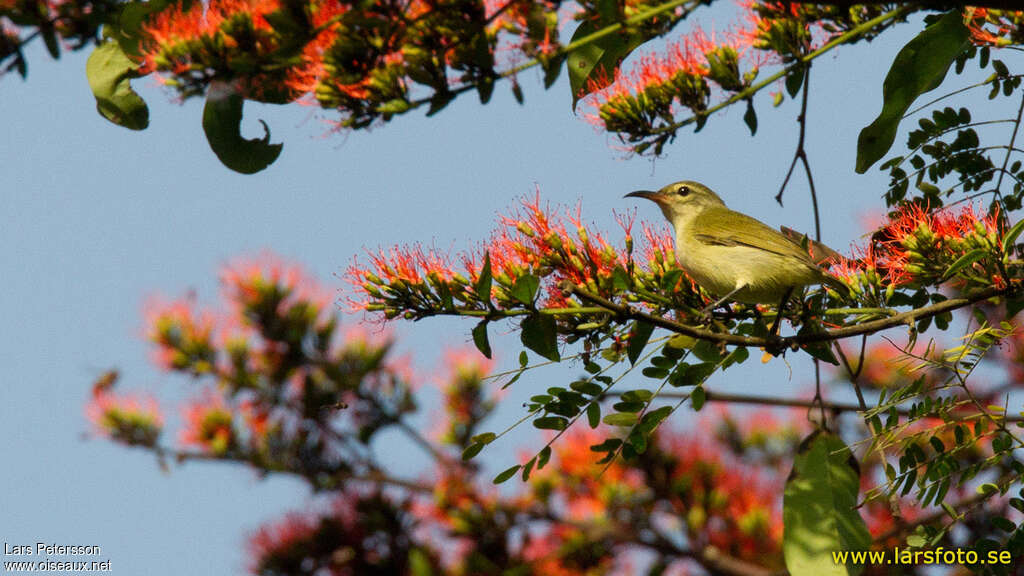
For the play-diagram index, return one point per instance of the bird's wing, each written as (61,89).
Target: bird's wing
(820,253)
(723,227)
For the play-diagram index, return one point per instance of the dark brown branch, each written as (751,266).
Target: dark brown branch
(798,403)
(902,528)
(904,318)
(924,4)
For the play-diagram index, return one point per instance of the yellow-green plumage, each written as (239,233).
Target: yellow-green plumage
(731,254)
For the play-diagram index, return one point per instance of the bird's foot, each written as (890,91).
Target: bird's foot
(707,313)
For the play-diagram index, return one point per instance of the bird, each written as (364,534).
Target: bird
(734,256)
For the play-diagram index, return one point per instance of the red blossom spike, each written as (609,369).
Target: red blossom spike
(209,424)
(128,418)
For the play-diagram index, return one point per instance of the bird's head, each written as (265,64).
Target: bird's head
(681,201)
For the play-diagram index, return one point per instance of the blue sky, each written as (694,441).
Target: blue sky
(95,218)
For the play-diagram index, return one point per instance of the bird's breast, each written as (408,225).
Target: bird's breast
(721,269)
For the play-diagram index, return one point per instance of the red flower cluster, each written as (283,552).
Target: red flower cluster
(992,27)
(726,504)
(209,424)
(533,241)
(125,417)
(184,337)
(918,247)
(361,60)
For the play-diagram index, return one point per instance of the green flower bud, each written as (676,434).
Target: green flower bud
(525,229)
(553,240)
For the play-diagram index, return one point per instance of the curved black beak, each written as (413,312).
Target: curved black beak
(649,195)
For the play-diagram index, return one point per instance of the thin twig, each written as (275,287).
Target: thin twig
(1009,152)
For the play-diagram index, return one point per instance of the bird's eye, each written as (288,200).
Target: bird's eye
(683,190)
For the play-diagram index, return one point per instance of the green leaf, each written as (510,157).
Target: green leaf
(109,71)
(485,87)
(597,60)
(50,40)
(485,438)
(795,80)
(692,374)
(655,372)
(621,419)
(222,119)
(964,261)
(620,279)
(528,468)
(707,351)
(651,419)
(822,351)
(594,414)
(628,406)
(681,342)
(918,68)
(480,338)
(484,280)
(750,117)
(439,101)
(698,397)
(552,69)
(586,387)
(539,334)
(641,334)
(525,289)
(818,509)
(543,457)
(988,489)
(133,17)
(508,473)
(640,395)
(471,451)
(551,423)
(670,279)
(1011,235)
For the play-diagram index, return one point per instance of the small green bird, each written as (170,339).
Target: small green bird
(734,256)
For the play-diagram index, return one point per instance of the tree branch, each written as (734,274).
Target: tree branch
(797,403)
(925,4)
(904,318)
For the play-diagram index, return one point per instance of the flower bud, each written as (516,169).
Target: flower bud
(553,240)
(979,228)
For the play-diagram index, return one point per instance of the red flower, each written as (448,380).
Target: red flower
(125,417)
(209,424)
(182,335)
(266,283)
(1006,26)
(169,31)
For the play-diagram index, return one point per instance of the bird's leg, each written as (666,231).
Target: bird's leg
(706,312)
(778,315)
